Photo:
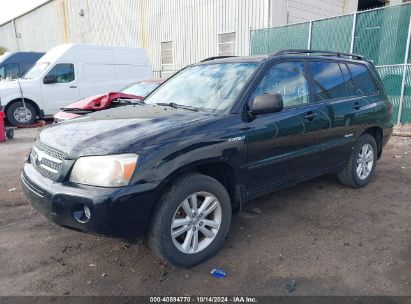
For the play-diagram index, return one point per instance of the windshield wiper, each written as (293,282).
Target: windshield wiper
(177,106)
(129,101)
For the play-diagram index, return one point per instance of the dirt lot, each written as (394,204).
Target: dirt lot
(330,239)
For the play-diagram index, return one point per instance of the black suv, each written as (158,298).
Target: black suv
(212,137)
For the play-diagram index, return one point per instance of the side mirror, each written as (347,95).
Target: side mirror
(267,103)
(48,79)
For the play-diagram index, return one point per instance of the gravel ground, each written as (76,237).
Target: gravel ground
(330,239)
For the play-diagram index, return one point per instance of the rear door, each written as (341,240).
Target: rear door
(339,97)
(281,145)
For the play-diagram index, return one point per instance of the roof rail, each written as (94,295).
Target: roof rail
(216,57)
(321,53)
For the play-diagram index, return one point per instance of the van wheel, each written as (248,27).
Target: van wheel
(18,115)
(361,166)
(191,221)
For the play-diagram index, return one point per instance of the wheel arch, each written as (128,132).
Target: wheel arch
(217,169)
(377,133)
(28,100)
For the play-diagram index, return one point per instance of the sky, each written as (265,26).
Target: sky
(13,8)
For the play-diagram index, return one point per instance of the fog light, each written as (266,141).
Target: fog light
(82,214)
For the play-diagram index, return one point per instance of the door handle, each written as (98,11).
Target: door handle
(310,115)
(356,106)
(73,87)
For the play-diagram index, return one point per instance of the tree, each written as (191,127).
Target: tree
(2,50)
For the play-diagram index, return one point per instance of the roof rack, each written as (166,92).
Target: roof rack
(321,53)
(216,57)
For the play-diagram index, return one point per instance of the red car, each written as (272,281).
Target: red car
(135,92)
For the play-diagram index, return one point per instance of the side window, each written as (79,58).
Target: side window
(328,80)
(362,79)
(64,72)
(287,79)
(349,83)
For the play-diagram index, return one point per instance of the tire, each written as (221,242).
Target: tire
(169,210)
(349,175)
(9,133)
(15,114)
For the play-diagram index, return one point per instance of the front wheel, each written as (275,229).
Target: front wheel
(191,221)
(21,114)
(361,166)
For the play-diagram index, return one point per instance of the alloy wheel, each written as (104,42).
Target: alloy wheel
(365,161)
(196,222)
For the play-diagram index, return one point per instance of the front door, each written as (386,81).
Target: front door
(63,91)
(281,145)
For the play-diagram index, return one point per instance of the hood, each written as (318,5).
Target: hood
(11,88)
(117,130)
(7,84)
(99,102)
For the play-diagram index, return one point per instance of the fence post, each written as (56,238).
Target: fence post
(309,36)
(16,35)
(404,72)
(354,24)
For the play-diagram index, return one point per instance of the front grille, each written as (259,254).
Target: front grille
(46,160)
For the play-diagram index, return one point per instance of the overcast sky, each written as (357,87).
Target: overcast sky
(12,8)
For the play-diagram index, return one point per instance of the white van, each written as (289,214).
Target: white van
(70,72)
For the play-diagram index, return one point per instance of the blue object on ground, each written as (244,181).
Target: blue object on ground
(218,273)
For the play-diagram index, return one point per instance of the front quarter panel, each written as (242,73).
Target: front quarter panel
(11,91)
(218,140)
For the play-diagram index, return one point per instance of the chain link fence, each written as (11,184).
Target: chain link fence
(382,35)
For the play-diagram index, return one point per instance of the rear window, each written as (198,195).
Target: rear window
(349,83)
(328,80)
(362,79)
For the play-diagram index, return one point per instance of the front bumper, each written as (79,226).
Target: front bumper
(118,212)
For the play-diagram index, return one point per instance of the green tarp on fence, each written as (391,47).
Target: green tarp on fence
(380,35)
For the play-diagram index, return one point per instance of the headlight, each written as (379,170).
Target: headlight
(104,171)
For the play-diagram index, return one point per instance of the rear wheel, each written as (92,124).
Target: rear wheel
(17,114)
(361,166)
(191,221)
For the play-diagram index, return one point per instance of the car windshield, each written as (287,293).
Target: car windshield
(36,70)
(140,89)
(206,86)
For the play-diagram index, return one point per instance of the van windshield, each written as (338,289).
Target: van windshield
(36,70)
(205,86)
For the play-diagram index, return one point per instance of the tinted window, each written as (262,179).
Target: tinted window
(362,79)
(349,84)
(328,80)
(287,79)
(64,72)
